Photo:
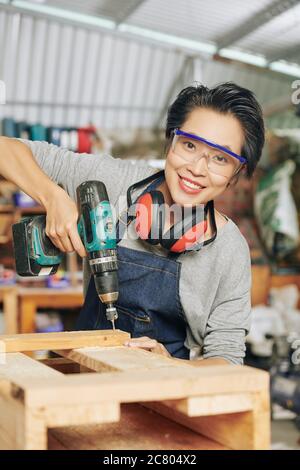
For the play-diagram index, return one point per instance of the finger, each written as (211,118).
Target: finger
(163,351)
(55,240)
(76,241)
(66,243)
(63,238)
(143,344)
(140,338)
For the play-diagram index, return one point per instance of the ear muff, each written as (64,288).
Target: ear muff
(150,216)
(187,233)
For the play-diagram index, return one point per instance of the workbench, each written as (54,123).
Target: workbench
(20,304)
(99,394)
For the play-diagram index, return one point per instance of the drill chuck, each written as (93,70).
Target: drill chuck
(103,261)
(111,312)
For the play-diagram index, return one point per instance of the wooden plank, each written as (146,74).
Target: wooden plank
(138,428)
(10,310)
(212,405)
(43,292)
(261,279)
(136,385)
(27,312)
(21,428)
(98,413)
(249,430)
(63,340)
(119,359)
(31,431)
(231,430)
(9,410)
(15,366)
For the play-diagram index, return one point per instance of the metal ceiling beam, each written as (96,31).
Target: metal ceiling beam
(176,84)
(254,22)
(128,8)
(286,53)
(10,8)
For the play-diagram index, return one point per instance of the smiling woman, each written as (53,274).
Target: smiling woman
(177,297)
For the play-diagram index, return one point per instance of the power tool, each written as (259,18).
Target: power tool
(36,255)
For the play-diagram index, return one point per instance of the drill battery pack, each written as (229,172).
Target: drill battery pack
(35,254)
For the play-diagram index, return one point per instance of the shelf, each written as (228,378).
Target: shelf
(10,208)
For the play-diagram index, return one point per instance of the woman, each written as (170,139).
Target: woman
(189,304)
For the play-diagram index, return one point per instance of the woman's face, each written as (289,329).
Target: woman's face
(204,185)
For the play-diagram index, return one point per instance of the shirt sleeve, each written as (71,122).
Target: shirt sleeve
(229,321)
(70,169)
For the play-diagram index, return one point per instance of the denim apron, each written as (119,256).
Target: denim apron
(148,303)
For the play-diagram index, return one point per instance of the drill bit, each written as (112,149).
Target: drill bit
(111,314)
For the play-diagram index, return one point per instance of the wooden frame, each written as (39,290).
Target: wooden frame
(201,407)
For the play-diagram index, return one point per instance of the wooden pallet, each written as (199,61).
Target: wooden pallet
(106,396)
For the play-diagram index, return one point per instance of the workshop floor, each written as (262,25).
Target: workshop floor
(285,435)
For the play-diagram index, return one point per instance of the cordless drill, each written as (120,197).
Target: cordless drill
(36,255)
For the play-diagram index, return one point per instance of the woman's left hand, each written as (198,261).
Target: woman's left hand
(149,344)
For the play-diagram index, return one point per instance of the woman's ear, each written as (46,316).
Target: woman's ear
(233,181)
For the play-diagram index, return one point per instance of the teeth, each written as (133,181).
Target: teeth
(191,185)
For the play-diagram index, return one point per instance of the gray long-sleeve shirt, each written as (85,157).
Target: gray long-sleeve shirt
(215,282)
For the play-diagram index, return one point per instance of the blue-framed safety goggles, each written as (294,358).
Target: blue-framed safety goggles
(211,144)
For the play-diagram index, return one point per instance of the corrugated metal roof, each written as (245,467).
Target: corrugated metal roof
(61,73)
(209,21)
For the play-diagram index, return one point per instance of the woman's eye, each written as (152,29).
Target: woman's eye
(189,145)
(220,159)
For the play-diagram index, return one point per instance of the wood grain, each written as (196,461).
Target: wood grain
(63,340)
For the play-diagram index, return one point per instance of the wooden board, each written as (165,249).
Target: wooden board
(136,386)
(138,428)
(119,359)
(19,427)
(63,340)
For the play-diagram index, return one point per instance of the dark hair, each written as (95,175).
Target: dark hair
(225,98)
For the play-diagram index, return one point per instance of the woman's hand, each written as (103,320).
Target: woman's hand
(61,223)
(149,344)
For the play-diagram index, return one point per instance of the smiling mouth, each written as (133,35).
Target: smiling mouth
(187,184)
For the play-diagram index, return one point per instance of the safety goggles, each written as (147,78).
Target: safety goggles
(220,160)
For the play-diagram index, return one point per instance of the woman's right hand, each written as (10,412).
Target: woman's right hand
(61,223)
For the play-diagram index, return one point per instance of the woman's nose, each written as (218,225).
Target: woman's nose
(199,166)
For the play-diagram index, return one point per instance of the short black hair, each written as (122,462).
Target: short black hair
(226,97)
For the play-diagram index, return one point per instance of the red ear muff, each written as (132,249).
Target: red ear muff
(191,237)
(188,232)
(143,216)
(150,216)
